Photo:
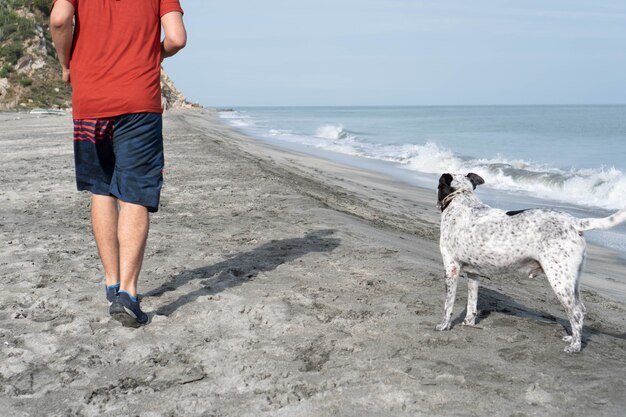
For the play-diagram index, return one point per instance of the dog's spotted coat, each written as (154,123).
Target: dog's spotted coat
(479,241)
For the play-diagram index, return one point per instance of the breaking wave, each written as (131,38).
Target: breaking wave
(598,187)
(333,132)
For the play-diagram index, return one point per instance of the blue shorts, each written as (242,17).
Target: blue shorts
(122,157)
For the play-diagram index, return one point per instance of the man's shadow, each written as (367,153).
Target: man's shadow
(243,267)
(491,301)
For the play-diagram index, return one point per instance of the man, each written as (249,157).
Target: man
(110,51)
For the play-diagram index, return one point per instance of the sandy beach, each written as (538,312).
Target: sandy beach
(278,284)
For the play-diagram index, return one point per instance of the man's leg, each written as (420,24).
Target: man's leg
(136,181)
(132,233)
(121,236)
(104,220)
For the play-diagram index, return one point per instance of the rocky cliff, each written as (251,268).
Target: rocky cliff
(30,75)
(171,97)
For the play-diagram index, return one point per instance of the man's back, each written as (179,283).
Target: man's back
(115,61)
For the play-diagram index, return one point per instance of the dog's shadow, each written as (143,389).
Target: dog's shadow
(491,301)
(242,267)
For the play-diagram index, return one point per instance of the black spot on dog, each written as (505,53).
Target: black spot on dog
(515,212)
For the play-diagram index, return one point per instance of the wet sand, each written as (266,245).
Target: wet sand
(278,285)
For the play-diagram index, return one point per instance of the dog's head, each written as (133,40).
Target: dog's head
(450,183)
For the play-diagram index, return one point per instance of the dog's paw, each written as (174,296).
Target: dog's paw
(442,327)
(470,321)
(572,349)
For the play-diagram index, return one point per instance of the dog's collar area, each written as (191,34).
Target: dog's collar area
(443,204)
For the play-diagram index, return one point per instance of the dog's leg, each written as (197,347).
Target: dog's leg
(564,282)
(576,316)
(472,300)
(452,279)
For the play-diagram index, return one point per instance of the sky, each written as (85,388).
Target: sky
(402,52)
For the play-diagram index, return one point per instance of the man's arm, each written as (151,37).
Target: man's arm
(175,34)
(61,29)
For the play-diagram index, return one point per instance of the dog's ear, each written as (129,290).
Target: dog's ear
(475,179)
(445,179)
(444,189)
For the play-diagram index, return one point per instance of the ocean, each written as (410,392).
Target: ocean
(568,157)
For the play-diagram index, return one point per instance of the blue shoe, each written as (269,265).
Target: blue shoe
(111,292)
(125,309)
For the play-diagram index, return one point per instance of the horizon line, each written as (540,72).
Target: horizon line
(219,107)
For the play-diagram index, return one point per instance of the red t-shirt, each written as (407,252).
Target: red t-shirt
(116,56)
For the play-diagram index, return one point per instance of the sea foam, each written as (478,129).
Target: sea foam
(601,187)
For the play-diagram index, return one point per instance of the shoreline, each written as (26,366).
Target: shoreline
(367,142)
(278,285)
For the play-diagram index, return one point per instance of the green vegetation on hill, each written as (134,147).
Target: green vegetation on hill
(15,28)
(29,71)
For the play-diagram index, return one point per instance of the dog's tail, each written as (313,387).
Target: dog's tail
(604,223)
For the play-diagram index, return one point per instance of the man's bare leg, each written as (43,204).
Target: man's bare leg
(121,231)
(104,220)
(132,234)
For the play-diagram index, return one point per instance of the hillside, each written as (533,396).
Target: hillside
(30,75)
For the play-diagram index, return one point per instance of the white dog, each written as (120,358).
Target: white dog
(480,240)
